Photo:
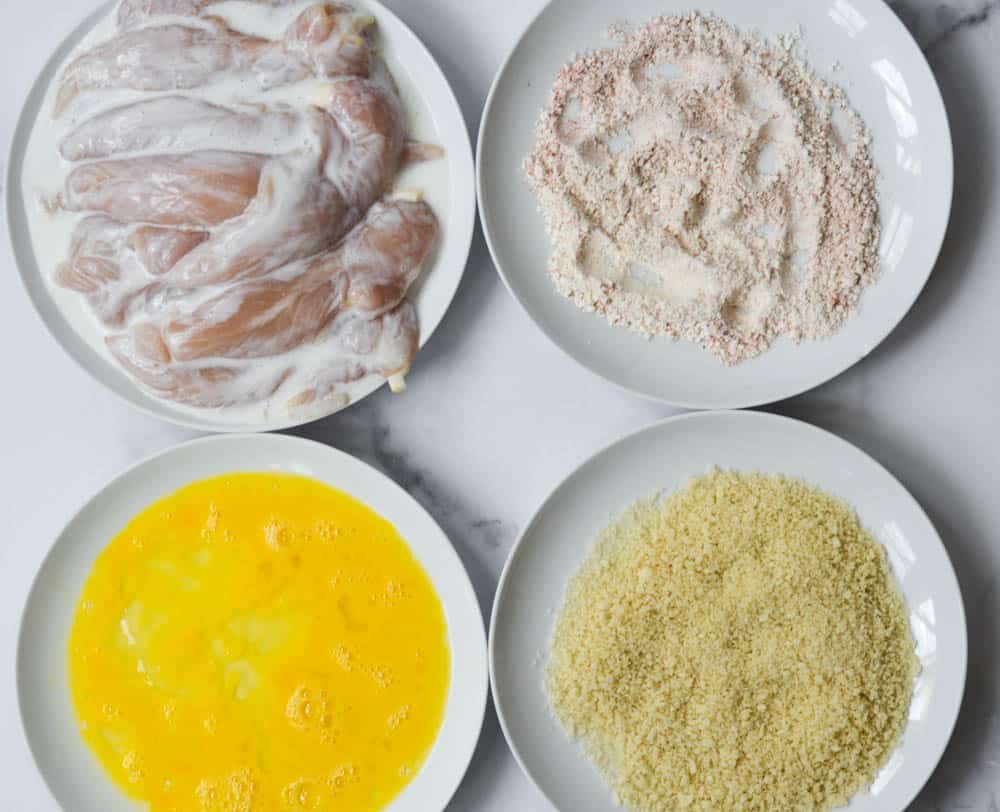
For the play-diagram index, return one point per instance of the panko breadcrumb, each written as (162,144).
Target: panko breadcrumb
(739,645)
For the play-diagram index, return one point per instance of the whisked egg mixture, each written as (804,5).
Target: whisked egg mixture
(259,642)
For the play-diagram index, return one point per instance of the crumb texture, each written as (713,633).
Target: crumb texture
(705,184)
(739,645)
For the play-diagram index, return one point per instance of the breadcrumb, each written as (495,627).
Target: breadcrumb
(738,645)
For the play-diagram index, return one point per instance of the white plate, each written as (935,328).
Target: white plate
(67,765)
(889,83)
(422,80)
(662,457)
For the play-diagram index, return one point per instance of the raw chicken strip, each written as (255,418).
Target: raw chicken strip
(383,256)
(382,346)
(379,334)
(308,200)
(328,37)
(323,40)
(112,263)
(195,190)
(370,114)
(180,124)
(370,272)
(358,347)
(133,13)
(297,212)
(204,385)
(257,319)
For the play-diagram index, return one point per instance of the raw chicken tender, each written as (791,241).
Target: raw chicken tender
(182,124)
(322,41)
(384,255)
(193,190)
(309,199)
(114,263)
(382,346)
(238,244)
(203,385)
(370,272)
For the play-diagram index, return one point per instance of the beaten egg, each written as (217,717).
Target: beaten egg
(259,642)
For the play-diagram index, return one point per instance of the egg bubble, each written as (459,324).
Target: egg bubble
(305,794)
(343,775)
(310,708)
(278,535)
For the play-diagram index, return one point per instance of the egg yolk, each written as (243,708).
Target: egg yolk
(259,642)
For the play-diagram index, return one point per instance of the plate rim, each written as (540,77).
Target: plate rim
(464,211)
(696,416)
(718,403)
(465,585)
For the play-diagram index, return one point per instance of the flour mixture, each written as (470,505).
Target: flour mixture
(704,184)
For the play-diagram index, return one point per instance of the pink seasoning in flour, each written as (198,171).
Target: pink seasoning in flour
(704,184)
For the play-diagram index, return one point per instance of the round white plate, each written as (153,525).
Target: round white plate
(889,83)
(422,83)
(663,457)
(67,765)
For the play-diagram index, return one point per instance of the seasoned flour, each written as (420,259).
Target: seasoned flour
(704,184)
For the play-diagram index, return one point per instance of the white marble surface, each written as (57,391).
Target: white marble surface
(495,415)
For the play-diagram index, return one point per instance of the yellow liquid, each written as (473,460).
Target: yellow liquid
(259,642)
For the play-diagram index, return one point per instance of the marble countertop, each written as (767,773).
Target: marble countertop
(495,415)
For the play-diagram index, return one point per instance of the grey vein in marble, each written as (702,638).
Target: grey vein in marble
(365,433)
(933,27)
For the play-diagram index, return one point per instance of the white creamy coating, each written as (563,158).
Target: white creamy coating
(44,173)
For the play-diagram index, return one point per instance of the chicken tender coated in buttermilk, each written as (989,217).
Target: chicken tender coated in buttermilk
(240,247)
(384,345)
(205,358)
(205,385)
(188,190)
(369,272)
(321,41)
(308,200)
(177,123)
(115,264)
(304,202)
